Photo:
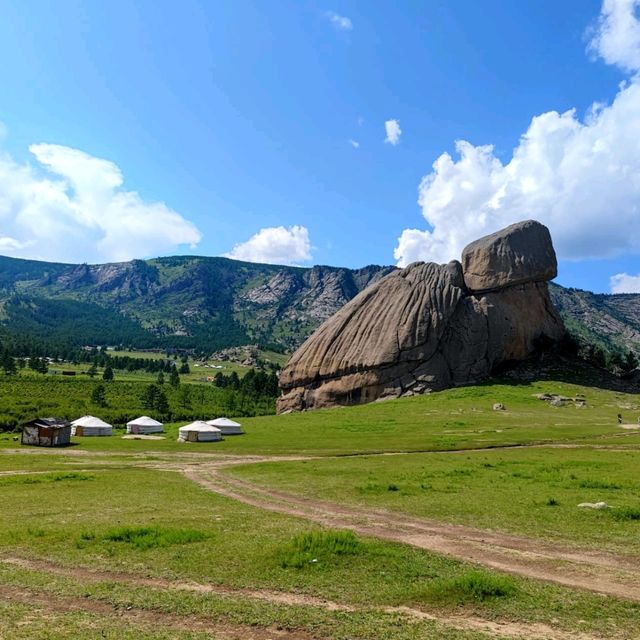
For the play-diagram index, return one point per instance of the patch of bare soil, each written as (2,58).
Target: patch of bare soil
(460,621)
(586,569)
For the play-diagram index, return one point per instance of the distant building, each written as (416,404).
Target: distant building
(46,432)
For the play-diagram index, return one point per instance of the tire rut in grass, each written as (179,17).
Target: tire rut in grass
(461,622)
(145,618)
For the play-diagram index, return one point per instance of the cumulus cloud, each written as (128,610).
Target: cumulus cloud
(354,143)
(275,245)
(339,22)
(579,176)
(72,207)
(393,131)
(616,37)
(624,283)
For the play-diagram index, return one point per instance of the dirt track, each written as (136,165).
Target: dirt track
(595,571)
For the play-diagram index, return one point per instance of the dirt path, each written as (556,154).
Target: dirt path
(494,628)
(146,619)
(595,571)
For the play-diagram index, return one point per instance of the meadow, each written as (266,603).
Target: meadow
(111,538)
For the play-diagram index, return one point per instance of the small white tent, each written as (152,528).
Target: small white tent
(228,427)
(144,424)
(90,426)
(199,432)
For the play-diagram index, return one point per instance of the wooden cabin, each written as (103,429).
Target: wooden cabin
(46,432)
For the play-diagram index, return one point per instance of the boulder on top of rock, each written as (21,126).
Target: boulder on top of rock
(420,329)
(520,253)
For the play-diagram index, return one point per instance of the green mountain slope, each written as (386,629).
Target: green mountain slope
(185,301)
(213,303)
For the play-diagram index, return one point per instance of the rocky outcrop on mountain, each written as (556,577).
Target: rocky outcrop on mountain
(430,326)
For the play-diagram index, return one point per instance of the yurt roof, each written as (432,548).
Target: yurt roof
(90,421)
(198,425)
(145,421)
(223,422)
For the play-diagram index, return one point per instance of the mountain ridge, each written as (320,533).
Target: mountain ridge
(208,303)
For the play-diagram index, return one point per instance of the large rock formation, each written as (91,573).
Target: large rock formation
(430,326)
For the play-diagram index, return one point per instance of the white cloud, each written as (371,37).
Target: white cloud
(354,143)
(580,177)
(339,22)
(616,37)
(624,283)
(275,245)
(76,210)
(393,131)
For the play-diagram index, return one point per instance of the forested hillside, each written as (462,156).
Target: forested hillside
(208,304)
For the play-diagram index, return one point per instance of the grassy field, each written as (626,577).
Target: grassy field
(454,419)
(524,491)
(117,543)
(170,530)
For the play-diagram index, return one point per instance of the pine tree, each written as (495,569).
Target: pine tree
(162,404)
(99,396)
(160,378)
(149,396)
(107,375)
(174,378)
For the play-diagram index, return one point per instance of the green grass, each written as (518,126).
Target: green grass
(44,478)
(105,511)
(475,585)
(147,537)
(506,489)
(238,546)
(455,419)
(319,547)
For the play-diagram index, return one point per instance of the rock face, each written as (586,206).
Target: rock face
(430,326)
(520,253)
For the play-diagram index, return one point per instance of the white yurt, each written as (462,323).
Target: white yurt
(228,427)
(145,424)
(199,432)
(90,426)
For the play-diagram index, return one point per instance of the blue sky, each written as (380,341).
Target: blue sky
(216,120)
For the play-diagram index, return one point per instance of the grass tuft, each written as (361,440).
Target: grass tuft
(552,502)
(317,547)
(150,537)
(472,586)
(598,484)
(626,513)
(44,478)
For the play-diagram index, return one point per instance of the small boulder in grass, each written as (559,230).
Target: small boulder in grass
(498,406)
(593,505)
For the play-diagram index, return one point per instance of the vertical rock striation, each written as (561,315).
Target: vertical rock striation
(430,326)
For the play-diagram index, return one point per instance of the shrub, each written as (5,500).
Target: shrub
(552,502)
